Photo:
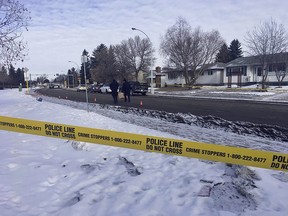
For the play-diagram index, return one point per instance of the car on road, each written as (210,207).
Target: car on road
(54,85)
(138,88)
(105,88)
(81,87)
(94,88)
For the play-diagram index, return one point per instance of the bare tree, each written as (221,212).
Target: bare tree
(3,76)
(280,68)
(280,75)
(265,40)
(135,55)
(123,66)
(190,50)
(14,18)
(41,78)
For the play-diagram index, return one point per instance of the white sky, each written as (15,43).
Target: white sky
(47,176)
(61,30)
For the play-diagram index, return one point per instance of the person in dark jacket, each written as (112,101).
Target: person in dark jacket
(126,90)
(114,88)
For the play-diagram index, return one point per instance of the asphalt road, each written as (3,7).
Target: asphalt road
(233,110)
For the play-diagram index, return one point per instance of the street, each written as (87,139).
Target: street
(257,112)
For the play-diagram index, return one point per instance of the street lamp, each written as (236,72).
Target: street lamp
(84,59)
(151,72)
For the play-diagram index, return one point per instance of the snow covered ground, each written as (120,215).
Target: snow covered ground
(251,92)
(47,176)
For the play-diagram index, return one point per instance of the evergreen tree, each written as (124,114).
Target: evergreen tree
(98,55)
(12,75)
(223,55)
(111,64)
(103,64)
(235,50)
(20,76)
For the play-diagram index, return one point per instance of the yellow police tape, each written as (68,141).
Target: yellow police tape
(227,154)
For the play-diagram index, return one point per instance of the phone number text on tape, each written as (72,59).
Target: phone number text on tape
(214,152)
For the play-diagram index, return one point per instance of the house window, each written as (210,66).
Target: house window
(277,67)
(173,75)
(259,71)
(244,71)
(235,71)
(210,72)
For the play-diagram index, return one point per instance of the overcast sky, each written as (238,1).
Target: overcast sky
(61,29)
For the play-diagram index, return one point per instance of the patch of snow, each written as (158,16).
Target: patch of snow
(48,176)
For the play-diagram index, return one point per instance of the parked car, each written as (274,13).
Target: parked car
(81,87)
(138,88)
(105,88)
(95,88)
(54,85)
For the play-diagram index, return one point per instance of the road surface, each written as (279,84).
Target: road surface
(234,110)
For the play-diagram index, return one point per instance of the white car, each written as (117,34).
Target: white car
(105,88)
(81,87)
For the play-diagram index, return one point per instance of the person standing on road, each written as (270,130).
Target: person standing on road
(114,89)
(126,90)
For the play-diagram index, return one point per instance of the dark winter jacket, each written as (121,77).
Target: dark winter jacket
(114,86)
(126,87)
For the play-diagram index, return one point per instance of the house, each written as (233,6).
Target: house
(241,71)
(247,70)
(212,75)
(173,76)
(141,76)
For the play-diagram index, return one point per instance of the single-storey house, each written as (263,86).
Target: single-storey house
(250,68)
(212,75)
(241,71)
